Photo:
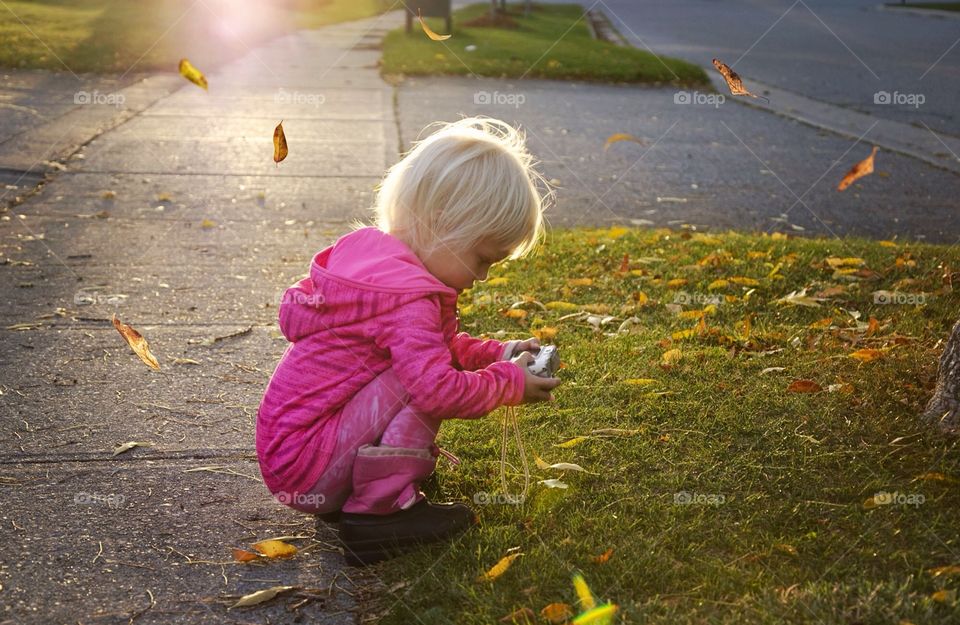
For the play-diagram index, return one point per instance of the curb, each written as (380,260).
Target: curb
(935,13)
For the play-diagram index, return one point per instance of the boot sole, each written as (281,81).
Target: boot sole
(366,552)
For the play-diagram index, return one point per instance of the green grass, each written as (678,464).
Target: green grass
(939,6)
(792,542)
(117,35)
(552,42)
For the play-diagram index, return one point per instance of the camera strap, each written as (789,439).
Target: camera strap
(510,419)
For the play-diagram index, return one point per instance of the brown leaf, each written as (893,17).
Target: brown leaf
(137,343)
(242,555)
(733,80)
(279,144)
(804,386)
(866,354)
(861,169)
(621,136)
(603,557)
(557,612)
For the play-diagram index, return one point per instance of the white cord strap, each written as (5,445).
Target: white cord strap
(510,418)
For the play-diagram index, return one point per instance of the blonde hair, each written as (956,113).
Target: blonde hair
(473,179)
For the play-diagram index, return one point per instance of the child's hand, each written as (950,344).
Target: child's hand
(535,388)
(527,345)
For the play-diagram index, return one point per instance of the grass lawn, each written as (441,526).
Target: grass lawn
(783,526)
(552,42)
(939,6)
(117,35)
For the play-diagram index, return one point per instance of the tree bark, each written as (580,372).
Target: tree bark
(943,409)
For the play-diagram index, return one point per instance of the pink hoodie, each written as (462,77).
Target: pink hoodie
(368,304)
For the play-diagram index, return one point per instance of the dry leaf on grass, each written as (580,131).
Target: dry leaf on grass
(499,568)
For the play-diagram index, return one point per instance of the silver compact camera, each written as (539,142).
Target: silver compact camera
(546,362)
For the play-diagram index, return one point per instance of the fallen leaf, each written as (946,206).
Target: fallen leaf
(621,136)
(191,73)
(554,483)
(206,224)
(951,569)
(734,82)
(671,357)
(603,557)
(866,354)
(772,370)
(583,591)
(275,548)
(804,386)
(499,568)
(784,547)
(799,298)
(944,596)
(557,613)
(600,615)
(861,169)
(936,476)
(279,144)
(242,555)
(573,442)
(260,596)
(428,31)
(744,281)
(640,381)
(119,449)
(137,343)
(559,466)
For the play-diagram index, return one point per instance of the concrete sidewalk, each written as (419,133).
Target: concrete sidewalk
(178,221)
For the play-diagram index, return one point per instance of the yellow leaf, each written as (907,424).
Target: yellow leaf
(137,343)
(207,224)
(562,306)
(887,244)
(191,73)
(642,298)
(541,463)
(545,333)
(718,284)
(944,596)
(275,548)
(866,354)
(573,442)
(640,381)
(580,281)
(600,615)
(497,281)
(429,31)
(615,232)
(583,591)
(557,613)
(823,323)
(744,281)
(676,282)
(671,357)
(836,262)
(784,547)
(620,136)
(951,569)
(279,144)
(683,334)
(515,313)
(499,568)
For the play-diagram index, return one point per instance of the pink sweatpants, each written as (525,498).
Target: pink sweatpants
(384,448)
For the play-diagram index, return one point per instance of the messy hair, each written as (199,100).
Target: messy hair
(472,179)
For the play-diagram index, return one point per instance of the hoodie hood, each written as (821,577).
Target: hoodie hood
(359,265)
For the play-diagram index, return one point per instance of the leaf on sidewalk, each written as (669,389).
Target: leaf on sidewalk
(119,449)
(136,342)
(260,596)
(275,548)
(621,136)
(429,31)
(242,555)
(279,144)
(861,169)
(191,73)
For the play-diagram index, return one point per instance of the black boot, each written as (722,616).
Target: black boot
(369,538)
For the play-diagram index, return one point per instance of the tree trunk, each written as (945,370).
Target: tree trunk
(943,410)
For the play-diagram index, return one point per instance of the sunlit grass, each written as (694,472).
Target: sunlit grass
(552,42)
(121,35)
(791,541)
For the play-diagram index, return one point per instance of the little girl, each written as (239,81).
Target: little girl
(346,427)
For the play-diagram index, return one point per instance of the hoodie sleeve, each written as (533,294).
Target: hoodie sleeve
(473,353)
(424,364)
